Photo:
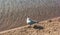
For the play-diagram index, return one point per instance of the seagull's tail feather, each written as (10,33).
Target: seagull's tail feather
(36,21)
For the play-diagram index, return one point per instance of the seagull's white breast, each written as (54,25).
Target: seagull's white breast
(28,21)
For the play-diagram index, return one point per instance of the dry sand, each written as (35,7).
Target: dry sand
(47,27)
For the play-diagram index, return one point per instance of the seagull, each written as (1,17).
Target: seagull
(30,21)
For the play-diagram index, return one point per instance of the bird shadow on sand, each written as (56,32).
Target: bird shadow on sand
(38,27)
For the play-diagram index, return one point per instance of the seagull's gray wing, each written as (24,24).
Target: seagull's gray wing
(32,22)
